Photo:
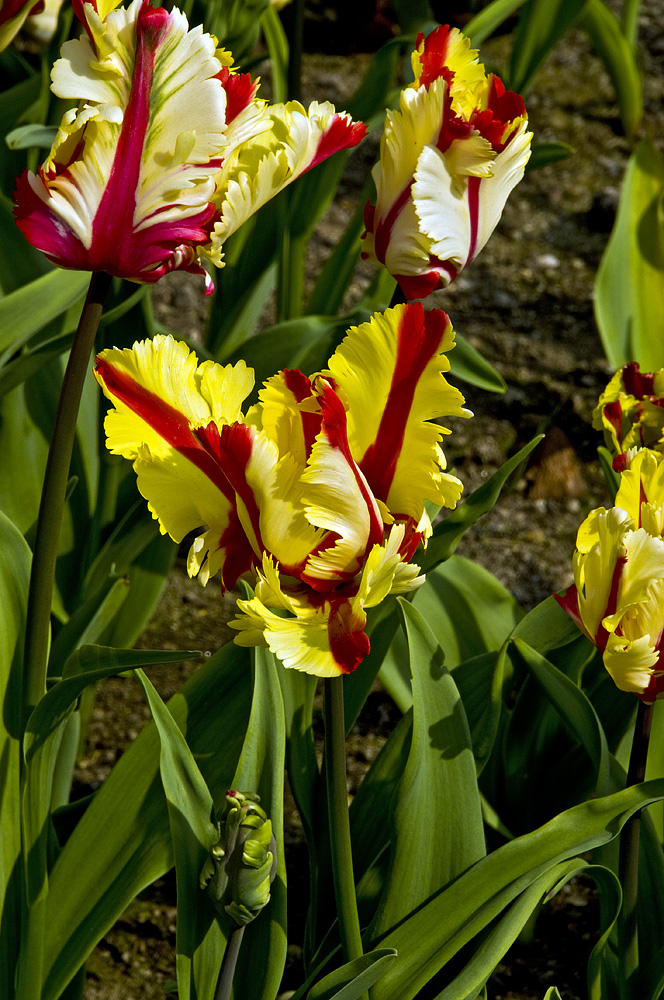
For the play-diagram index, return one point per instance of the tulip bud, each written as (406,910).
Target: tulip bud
(630,412)
(242,864)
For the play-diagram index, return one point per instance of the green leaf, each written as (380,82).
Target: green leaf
(87,665)
(574,709)
(28,309)
(412,15)
(123,840)
(261,769)
(480,681)
(629,291)
(542,154)
(24,451)
(190,807)
(457,591)
(370,811)
(475,974)
(541,26)
(546,627)
(620,60)
(352,980)
(14,575)
(468,364)
(448,533)
(431,844)
(432,935)
(338,269)
(488,20)
(26,136)
(277,46)
(305,343)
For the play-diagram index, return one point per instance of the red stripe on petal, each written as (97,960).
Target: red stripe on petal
(433,55)
(418,340)
(113,248)
(334,428)
(384,228)
(341,133)
(232,446)
(349,643)
(240,92)
(300,386)
(636,382)
(170,424)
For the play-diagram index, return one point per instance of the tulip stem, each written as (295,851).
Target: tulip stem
(42,576)
(337,802)
(227,971)
(629,859)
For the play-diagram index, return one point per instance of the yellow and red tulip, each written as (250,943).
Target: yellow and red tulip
(449,158)
(318,490)
(630,411)
(617,597)
(134,183)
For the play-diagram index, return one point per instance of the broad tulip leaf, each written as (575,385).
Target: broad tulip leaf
(24,450)
(26,136)
(351,981)
(431,936)
(338,269)
(123,840)
(304,343)
(87,665)
(431,846)
(277,46)
(574,708)
(477,971)
(449,532)
(546,627)
(629,291)
(488,20)
(470,612)
(261,769)
(14,575)
(620,60)
(29,309)
(480,681)
(190,808)
(542,154)
(468,364)
(371,808)
(542,24)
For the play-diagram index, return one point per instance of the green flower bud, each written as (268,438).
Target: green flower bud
(242,864)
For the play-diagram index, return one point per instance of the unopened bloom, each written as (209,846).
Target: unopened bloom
(617,597)
(448,160)
(131,184)
(13,14)
(319,490)
(241,866)
(630,411)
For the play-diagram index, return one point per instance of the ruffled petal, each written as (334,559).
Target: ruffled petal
(391,370)
(164,403)
(262,167)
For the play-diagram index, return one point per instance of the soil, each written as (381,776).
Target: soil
(526,305)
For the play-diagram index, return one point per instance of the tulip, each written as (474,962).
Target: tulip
(318,491)
(617,598)
(449,158)
(131,184)
(630,411)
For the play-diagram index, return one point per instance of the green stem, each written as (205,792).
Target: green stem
(337,802)
(629,858)
(42,577)
(227,971)
(295,50)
